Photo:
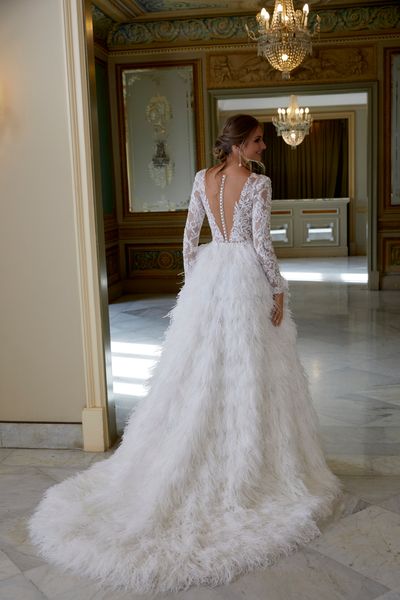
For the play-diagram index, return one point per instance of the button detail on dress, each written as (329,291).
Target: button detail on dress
(221,208)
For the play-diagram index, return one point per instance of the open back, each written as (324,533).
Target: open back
(238,212)
(223,195)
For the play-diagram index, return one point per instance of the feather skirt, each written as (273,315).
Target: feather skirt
(220,469)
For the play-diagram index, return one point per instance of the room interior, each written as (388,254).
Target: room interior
(71,248)
(109,248)
(226,68)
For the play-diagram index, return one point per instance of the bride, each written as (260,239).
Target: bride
(220,469)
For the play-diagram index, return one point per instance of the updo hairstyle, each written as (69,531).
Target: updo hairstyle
(235,132)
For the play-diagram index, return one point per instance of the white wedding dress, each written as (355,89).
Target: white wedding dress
(220,469)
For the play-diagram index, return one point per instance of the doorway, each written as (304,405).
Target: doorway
(356,105)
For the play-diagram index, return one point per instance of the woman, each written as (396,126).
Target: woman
(220,469)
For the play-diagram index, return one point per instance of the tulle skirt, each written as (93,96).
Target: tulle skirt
(220,469)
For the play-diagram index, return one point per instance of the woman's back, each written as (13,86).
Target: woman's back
(223,193)
(246,212)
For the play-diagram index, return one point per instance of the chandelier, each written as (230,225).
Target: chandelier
(285,39)
(161,167)
(293,123)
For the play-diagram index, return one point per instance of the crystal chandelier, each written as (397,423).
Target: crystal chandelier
(293,123)
(285,39)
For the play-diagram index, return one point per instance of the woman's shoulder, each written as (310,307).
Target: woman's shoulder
(262,188)
(200,173)
(203,173)
(261,179)
(199,177)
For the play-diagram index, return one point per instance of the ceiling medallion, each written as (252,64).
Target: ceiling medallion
(293,123)
(285,39)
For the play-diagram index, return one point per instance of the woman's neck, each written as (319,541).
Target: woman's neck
(232,166)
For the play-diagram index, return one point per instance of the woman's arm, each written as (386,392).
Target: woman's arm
(194,221)
(261,224)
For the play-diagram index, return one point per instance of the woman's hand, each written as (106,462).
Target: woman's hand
(277,311)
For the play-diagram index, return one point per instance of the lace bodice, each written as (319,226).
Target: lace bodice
(251,222)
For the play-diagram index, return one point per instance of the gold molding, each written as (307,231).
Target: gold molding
(242,47)
(166,218)
(387,130)
(193,14)
(390,251)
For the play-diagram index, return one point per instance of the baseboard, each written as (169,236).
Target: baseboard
(310,252)
(41,435)
(391,282)
(115,291)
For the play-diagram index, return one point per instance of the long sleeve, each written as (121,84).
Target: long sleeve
(261,227)
(194,221)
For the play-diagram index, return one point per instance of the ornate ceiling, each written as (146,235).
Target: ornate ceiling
(132,10)
(121,24)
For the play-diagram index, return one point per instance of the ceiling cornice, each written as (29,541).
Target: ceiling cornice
(356,21)
(120,10)
(218,30)
(131,11)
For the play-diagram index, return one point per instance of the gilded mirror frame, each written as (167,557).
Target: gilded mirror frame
(391,146)
(153,216)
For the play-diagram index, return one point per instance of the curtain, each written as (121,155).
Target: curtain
(318,168)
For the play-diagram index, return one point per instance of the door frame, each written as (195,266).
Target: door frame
(371,89)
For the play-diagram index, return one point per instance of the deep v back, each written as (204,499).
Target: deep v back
(222,209)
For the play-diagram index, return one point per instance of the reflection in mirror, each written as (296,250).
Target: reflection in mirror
(320,190)
(395,130)
(160,137)
(318,168)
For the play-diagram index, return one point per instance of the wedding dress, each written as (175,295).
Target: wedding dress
(220,469)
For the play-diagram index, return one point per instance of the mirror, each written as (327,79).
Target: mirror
(395,130)
(160,136)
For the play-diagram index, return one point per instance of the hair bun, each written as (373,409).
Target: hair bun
(236,130)
(222,147)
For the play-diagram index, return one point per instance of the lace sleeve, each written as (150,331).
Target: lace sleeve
(261,226)
(194,221)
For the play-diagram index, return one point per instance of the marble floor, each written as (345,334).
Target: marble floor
(357,557)
(349,343)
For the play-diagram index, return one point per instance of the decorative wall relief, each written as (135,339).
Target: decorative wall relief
(180,31)
(360,20)
(390,252)
(140,259)
(325,65)
(395,255)
(113,264)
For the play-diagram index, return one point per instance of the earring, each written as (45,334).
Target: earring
(240,159)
